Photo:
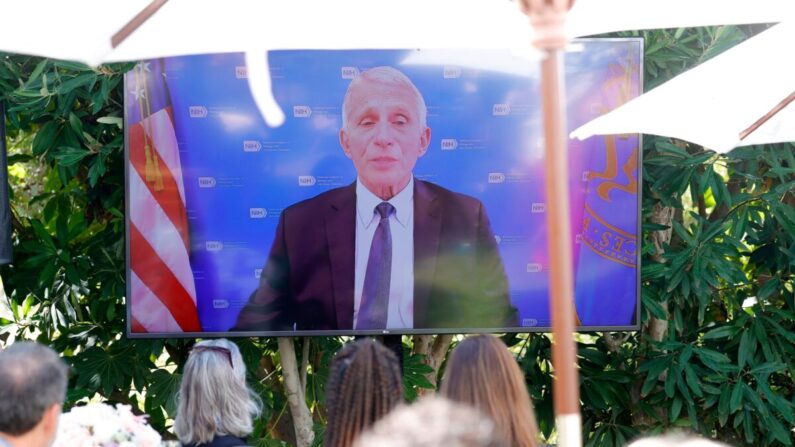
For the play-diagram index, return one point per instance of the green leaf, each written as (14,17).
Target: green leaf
(723,405)
(163,388)
(676,408)
(710,354)
(26,304)
(779,431)
(745,350)
(655,308)
(720,332)
(692,381)
(682,233)
(69,156)
(736,401)
(96,171)
(768,288)
(101,370)
(37,71)
(75,123)
(753,397)
(118,121)
(76,82)
(45,137)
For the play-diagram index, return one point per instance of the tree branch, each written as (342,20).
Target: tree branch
(434,350)
(304,361)
(304,435)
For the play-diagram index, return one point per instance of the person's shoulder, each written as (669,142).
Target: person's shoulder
(222,441)
(445,195)
(324,199)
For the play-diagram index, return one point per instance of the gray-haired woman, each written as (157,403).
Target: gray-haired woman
(216,406)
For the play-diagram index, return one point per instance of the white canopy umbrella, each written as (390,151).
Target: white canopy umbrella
(740,97)
(98,31)
(84,30)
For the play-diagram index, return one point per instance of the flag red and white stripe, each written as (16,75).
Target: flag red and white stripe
(163,292)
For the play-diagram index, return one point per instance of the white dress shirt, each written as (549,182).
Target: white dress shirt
(401,225)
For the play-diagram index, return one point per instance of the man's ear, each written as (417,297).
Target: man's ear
(49,421)
(425,140)
(344,142)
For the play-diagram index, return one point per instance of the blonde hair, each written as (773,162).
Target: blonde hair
(213,397)
(482,373)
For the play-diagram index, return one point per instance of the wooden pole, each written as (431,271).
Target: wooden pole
(134,23)
(547,18)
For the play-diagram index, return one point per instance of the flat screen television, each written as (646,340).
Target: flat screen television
(238,229)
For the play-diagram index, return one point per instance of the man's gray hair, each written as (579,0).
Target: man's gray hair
(433,422)
(389,76)
(214,398)
(32,379)
(675,440)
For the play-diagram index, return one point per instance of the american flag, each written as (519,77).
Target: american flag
(162,289)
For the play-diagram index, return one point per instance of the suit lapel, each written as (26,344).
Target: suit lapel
(340,222)
(427,231)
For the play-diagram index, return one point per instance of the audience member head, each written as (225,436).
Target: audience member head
(364,384)
(482,373)
(32,388)
(433,422)
(675,440)
(214,399)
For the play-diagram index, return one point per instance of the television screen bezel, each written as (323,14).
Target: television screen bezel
(426,331)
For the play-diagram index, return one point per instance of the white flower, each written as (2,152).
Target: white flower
(100,425)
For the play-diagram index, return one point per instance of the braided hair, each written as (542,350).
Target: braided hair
(364,385)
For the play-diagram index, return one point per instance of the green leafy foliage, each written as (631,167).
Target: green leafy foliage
(718,280)
(716,353)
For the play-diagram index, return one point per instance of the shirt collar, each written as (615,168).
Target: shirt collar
(366,202)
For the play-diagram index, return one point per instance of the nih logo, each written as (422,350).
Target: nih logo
(241,72)
(496,177)
(452,72)
(257,213)
(206,182)
(197,111)
(349,72)
(220,304)
(214,245)
(306,180)
(251,146)
(538,207)
(533,268)
(302,111)
(449,144)
(501,109)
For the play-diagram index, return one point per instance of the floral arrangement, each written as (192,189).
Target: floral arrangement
(100,425)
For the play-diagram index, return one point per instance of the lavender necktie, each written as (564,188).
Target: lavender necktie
(375,293)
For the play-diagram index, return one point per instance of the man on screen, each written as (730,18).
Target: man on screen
(388,251)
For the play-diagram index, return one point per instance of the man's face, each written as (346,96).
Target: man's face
(383,135)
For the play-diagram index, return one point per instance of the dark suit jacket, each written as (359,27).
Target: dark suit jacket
(308,280)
